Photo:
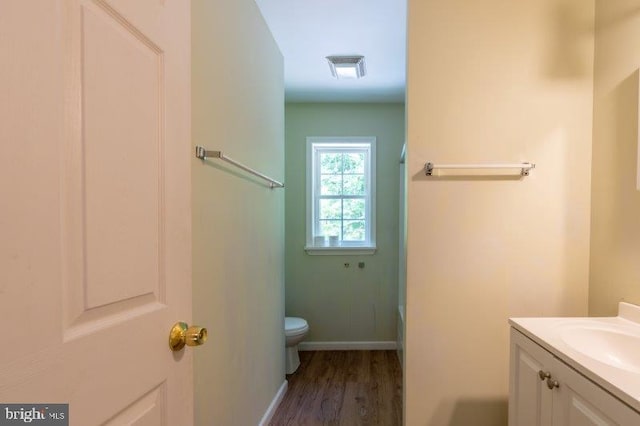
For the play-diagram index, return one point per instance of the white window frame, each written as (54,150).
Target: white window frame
(315,144)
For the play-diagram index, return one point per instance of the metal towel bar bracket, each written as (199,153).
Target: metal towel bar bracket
(203,154)
(524,167)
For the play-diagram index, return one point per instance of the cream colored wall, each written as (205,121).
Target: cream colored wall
(615,223)
(238,229)
(492,81)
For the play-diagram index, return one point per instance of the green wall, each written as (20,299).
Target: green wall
(344,304)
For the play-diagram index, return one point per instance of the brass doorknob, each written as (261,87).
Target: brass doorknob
(181,334)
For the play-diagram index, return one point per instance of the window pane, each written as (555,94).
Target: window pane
(330,209)
(330,163)
(330,185)
(354,209)
(354,185)
(340,189)
(353,230)
(330,228)
(353,163)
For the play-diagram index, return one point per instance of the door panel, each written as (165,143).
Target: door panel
(581,412)
(529,400)
(123,154)
(117,212)
(580,402)
(147,410)
(94,173)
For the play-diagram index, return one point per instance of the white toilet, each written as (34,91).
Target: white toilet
(295,330)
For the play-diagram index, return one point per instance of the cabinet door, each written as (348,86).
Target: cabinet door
(529,397)
(579,402)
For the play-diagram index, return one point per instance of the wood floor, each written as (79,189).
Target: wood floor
(343,388)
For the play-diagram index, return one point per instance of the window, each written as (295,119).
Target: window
(341,195)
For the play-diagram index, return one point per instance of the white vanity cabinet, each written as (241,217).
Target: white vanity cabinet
(544,391)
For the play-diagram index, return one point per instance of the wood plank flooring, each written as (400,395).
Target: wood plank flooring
(343,388)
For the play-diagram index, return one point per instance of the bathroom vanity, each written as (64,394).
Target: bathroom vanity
(575,371)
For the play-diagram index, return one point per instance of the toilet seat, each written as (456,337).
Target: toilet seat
(295,325)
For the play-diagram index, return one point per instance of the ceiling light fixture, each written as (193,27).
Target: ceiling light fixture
(347,67)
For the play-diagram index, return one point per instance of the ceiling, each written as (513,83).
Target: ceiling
(309,30)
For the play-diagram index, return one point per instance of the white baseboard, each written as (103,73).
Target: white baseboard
(347,346)
(271,410)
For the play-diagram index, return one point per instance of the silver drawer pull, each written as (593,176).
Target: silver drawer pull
(552,383)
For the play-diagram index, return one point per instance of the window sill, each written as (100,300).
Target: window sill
(340,250)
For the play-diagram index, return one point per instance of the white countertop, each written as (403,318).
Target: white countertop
(556,334)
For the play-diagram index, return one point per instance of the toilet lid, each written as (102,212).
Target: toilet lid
(293,324)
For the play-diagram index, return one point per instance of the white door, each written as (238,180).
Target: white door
(579,402)
(530,401)
(95,246)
